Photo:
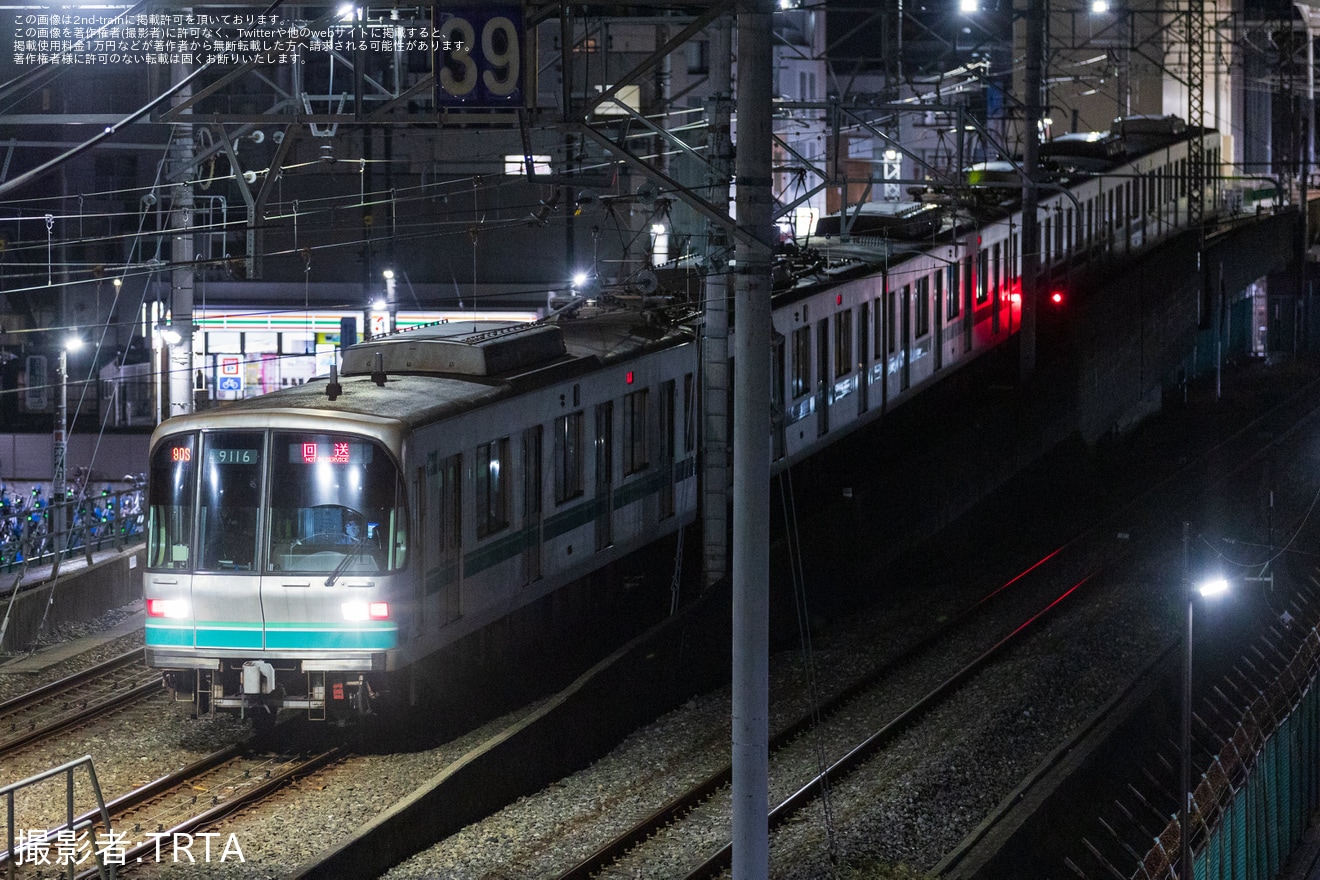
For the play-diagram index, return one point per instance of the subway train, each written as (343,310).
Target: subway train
(307,548)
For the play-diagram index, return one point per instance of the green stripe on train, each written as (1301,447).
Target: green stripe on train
(574,517)
(166,636)
(377,638)
(217,634)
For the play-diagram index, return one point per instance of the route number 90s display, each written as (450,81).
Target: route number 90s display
(478,57)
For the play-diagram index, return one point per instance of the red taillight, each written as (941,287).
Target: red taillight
(1056,297)
(173,608)
(366,610)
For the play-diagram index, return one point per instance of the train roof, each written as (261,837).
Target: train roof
(994,188)
(442,370)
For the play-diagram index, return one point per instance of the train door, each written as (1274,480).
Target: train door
(448,527)
(823,373)
(666,416)
(863,334)
(604,474)
(995,298)
(532,518)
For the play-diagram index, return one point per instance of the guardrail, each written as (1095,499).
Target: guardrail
(35,531)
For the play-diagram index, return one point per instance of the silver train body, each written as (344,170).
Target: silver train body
(309,546)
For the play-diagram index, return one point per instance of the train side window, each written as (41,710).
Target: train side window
(878,328)
(450,489)
(953,304)
(636,454)
(939,289)
(690,412)
(801,361)
(982,276)
(569,456)
(968,281)
(893,317)
(996,274)
(843,337)
(921,308)
(492,479)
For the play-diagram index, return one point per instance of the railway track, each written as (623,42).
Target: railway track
(172,811)
(75,700)
(1147,515)
(671,814)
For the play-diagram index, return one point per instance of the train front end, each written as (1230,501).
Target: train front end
(276,564)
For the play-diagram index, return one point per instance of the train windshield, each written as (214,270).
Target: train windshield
(335,505)
(170,503)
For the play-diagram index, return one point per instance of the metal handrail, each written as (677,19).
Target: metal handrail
(17,850)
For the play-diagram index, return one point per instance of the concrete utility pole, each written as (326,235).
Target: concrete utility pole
(751,455)
(180,358)
(715,352)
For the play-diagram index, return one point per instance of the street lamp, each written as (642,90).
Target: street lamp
(1210,588)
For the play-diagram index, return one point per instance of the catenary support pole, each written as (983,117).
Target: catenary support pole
(715,348)
(751,455)
(182,253)
(1030,156)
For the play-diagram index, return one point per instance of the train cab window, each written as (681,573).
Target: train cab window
(172,492)
(568,457)
(232,466)
(843,338)
(801,361)
(336,505)
(636,449)
(492,487)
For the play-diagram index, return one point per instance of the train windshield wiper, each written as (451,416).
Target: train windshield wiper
(355,553)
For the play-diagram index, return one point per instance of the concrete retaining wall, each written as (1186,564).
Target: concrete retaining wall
(79,595)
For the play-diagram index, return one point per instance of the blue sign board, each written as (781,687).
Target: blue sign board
(479,56)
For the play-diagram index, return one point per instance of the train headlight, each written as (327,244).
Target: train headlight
(172,608)
(366,610)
